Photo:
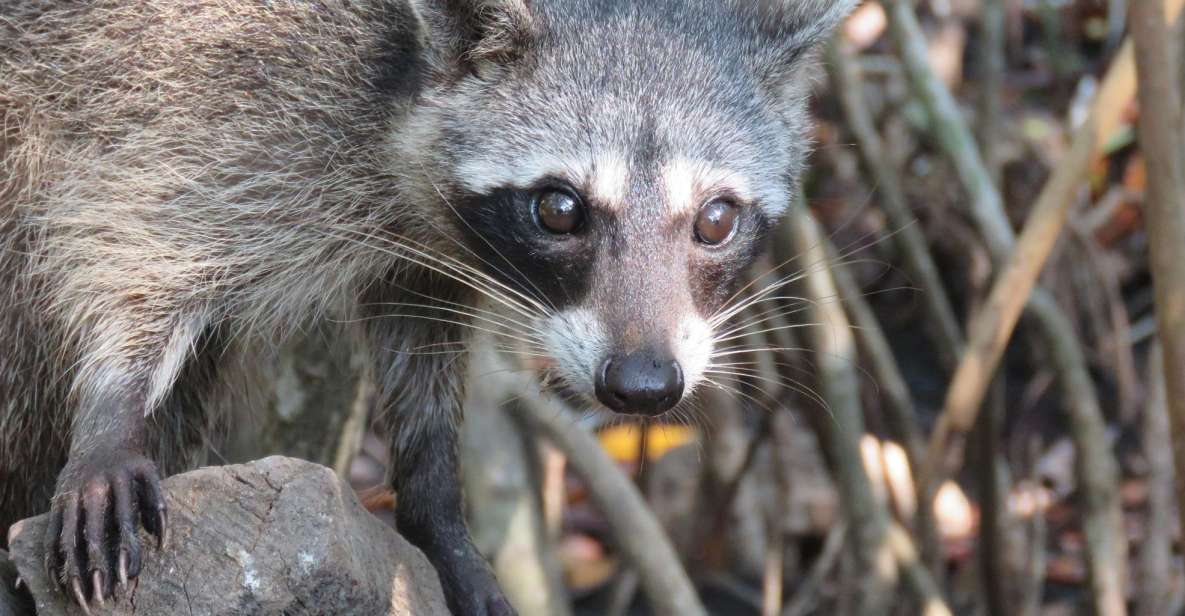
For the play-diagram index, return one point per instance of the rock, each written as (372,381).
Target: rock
(276,536)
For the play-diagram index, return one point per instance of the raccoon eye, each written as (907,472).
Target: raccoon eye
(716,222)
(559,212)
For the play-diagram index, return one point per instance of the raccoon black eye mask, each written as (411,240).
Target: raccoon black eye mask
(585,179)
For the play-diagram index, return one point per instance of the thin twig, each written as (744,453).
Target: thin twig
(985,204)
(805,598)
(1021,264)
(900,411)
(993,63)
(640,537)
(1161,140)
(992,328)
(917,577)
(1155,589)
(1033,578)
(835,353)
(919,264)
(993,571)
(775,549)
(1094,465)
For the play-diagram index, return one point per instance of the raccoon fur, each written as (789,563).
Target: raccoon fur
(184,183)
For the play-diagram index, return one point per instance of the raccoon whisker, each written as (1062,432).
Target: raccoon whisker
(804,302)
(737,392)
(773,315)
(530,343)
(455,352)
(465,345)
(787,383)
(524,337)
(487,242)
(450,264)
(450,268)
(454,265)
(779,310)
(755,280)
(495,319)
(764,331)
(755,298)
(498,371)
(828,261)
(752,365)
(461,305)
(740,350)
(697,413)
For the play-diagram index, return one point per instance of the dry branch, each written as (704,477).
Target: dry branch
(1161,140)
(986,205)
(992,56)
(1095,468)
(992,482)
(1015,287)
(640,537)
(1154,591)
(804,599)
(882,549)
(835,356)
(917,576)
(900,412)
(993,327)
(919,264)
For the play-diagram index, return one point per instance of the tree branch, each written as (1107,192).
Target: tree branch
(1161,140)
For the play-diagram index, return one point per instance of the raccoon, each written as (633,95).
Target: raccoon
(184,183)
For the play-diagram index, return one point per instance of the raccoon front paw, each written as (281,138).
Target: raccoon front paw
(92,538)
(471,590)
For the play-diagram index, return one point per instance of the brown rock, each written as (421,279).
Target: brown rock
(276,536)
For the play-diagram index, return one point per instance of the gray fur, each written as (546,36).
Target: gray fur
(185,182)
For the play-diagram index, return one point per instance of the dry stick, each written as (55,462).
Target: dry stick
(992,328)
(803,602)
(986,205)
(993,60)
(994,325)
(919,264)
(917,576)
(948,337)
(775,550)
(835,357)
(1095,467)
(993,488)
(641,538)
(1161,137)
(881,546)
(1033,579)
(899,407)
(992,475)
(1154,591)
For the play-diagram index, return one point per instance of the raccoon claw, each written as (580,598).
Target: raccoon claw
(80,596)
(123,571)
(92,539)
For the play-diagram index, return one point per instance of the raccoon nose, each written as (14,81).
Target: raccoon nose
(640,383)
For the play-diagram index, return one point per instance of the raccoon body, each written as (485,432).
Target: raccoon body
(185,183)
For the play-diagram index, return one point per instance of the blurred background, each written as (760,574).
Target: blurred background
(950,398)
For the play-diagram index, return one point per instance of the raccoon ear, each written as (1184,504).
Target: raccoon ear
(491,30)
(800,24)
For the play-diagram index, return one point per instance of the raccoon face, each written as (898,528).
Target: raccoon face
(617,165)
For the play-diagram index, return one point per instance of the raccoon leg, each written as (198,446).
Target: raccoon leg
(421,381)
(108,482)
(109,486)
